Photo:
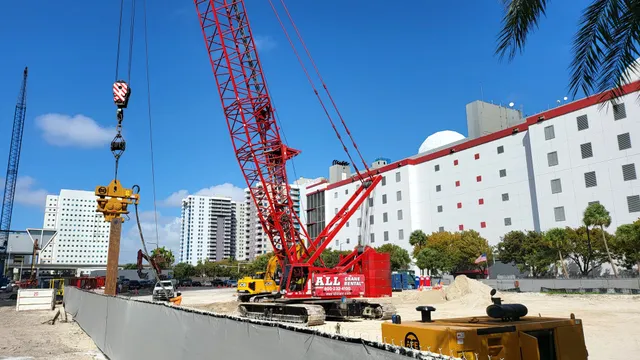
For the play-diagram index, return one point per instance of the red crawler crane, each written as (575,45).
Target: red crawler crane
(308,293)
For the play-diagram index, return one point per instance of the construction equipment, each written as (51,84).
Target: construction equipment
(263,282)
(308,293)
(11,179)
(153,261)
(505,333)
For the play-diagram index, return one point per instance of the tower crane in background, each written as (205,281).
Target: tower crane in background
(12,170)
(308,293)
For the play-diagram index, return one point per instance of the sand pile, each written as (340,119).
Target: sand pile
(227,308)
(468,291)
(424,297)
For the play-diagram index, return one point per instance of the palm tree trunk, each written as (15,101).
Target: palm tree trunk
(606,247)
(564,267)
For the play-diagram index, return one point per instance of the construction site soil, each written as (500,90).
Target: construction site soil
(24,336)
(607,319)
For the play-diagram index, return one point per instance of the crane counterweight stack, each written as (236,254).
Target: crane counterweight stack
(307,291)
(11,178)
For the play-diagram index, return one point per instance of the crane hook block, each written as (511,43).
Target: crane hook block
(121,94)
(114,199)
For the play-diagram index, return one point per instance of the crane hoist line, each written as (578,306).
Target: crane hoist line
(308,290)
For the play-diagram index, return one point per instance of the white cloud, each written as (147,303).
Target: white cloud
(226,189)
(264,43)
(26,193)
(168,235)
(77,130)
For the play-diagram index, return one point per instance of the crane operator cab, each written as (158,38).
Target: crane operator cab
(295,278)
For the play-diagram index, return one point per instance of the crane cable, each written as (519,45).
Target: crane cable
(304,68)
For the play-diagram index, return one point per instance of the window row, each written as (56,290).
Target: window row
(476,156)
(582,121)
(590,179)
(502,173)
(586,150)
(385,218)
(372,238)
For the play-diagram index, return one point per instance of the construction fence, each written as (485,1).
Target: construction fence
(134,329)
(614,286)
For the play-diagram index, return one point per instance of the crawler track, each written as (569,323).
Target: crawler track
(309,315)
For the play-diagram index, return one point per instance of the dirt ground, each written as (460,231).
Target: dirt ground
(607,319)
(25,337)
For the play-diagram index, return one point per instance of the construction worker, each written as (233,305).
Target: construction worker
(177,300)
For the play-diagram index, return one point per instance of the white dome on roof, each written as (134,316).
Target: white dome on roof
(441,138)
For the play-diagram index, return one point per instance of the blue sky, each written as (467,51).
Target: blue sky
(397,73)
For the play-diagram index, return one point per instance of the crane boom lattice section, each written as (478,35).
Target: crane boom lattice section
(251,121)
(12,167)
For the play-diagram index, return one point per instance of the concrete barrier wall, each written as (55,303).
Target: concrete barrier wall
(535,285)
(133,329)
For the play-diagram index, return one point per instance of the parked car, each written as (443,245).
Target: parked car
(231,283)
(217,282)
(186,282)
(161,294)
(207,283)
(134,285)
(197,283)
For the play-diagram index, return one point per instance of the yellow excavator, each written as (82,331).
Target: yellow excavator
(262,282)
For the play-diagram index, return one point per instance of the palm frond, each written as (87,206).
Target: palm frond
(521,17)
(604,47)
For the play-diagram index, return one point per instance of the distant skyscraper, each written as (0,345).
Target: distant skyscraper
(242,230)
(208,229)
(83,235)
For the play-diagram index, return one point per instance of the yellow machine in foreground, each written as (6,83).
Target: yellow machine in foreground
(506,333)
(262,282)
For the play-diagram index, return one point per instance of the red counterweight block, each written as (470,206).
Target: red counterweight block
(376,267)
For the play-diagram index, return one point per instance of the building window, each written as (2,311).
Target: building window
(384,180)
(401,234)
(441,229)
(624,141)
(552,158)
(460,227)
(371,219)
(348,240)
(372,237)
(346,191)
(583,122)
(505,197)
(384,198)
(590,179)
(558,213)
(455,162)
(386,236)
(398,195)
(483,224)
(556,186)
(629,172)
(359,239)
(336,210)
(500,149)
(439,208)
(549,133)
(507,221)
(436,167)
(586,150)
(593,202)
(633,202)
(438,188)
(370,201)
(459,205)
(399,214)
(481,201)
(503,172)
(619,112)
(476,156)
(335,195)
(385,217)
(398,176)
(359,222)
(457,183)
(478,178)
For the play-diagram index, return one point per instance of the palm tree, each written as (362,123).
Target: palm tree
(603,48)
(557,239)
(597,215)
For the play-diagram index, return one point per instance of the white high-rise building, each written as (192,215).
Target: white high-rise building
(208,229)
(242,229)
(82,234)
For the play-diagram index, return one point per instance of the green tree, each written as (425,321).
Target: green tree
(628,244)
(164,257)
(259,263)
(130,266)
(466,249)
(417,239)
(432,260)
(184,271)
(597,215)
(585,254)
(530,251)
(332,257)
(556,238)
(603,48)
(400,258)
